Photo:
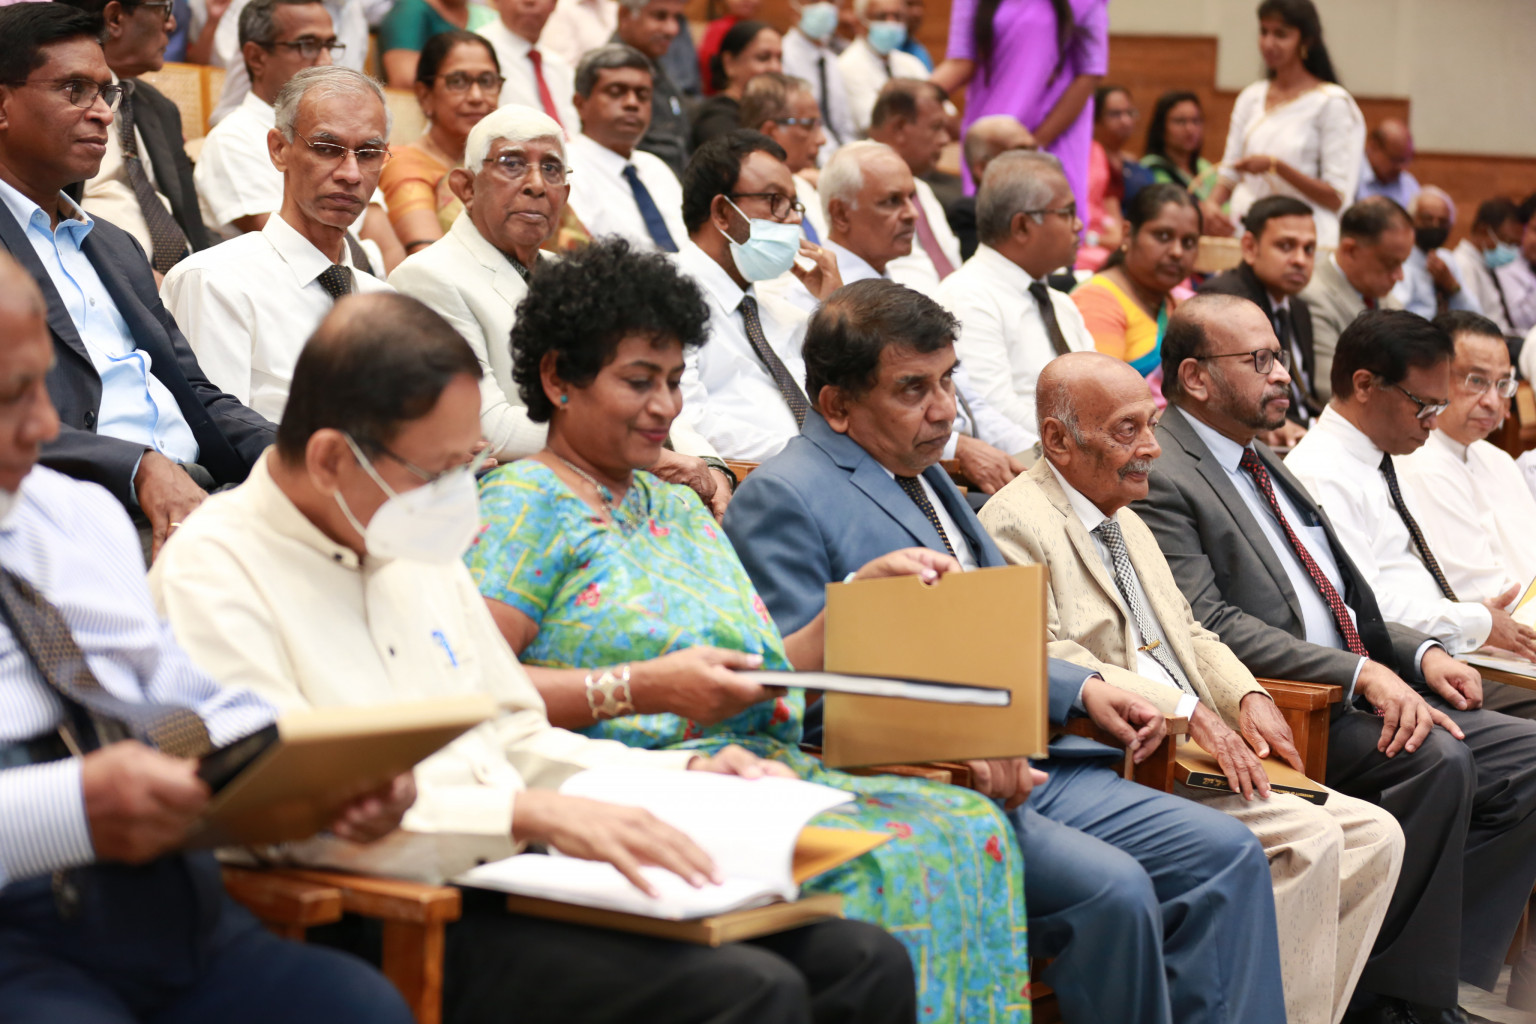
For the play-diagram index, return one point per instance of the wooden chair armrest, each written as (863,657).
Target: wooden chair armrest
(1290,693)
(1156,771)
(1307,708)
(386,899)
(741,469)
(288,906)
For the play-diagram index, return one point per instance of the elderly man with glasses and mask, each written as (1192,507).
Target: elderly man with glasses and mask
(514,185)
(247,305)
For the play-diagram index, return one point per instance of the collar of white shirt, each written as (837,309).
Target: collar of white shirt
(1227,452)
(712,277)
(606,159)
(306,262)
(1455,449)
(280,514)
(1087,512)
(1002,267)
(260,109)
(1333,258)
(515,44)
(1350,438)
(851,266)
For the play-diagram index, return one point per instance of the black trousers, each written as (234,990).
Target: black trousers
(163,944)
(1468,812)
(503,968)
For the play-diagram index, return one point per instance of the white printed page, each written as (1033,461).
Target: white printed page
(595,884)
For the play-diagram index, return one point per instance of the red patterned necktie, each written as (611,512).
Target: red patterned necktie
(545,97)
(1256,469)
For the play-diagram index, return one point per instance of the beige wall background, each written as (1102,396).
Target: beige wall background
(1468,67)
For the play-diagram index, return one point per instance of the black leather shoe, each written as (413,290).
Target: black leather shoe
(1454,1015)
(1386,1011)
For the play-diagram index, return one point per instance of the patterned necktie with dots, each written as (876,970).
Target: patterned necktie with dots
(1256,469)
(337,280)
(1419,542)
(167,242)
(43,634)
(1125,581)
(793,396)
(914,488)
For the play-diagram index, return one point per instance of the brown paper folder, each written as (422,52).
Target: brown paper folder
(818,850)
(1198,769)
(324,758)
(983,628)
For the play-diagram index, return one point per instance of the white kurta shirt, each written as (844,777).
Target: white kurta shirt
(1474,507)
(865,74)
(521,86)
(728,394)
(602,197)
(261,598)
(1003,341)
(807,59)
(578,27)
(247,306)
(1341,467)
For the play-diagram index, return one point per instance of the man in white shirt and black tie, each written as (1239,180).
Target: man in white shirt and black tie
(617,189)
(1391,378)
(532,77)
(808,55)
(1012,322)
(247,305)
(873,59)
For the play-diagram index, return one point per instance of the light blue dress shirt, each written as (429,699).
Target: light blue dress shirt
(135,405)
(76,545)
(1416,291)
(1401,191)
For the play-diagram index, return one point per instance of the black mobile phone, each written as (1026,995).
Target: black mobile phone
(218,768)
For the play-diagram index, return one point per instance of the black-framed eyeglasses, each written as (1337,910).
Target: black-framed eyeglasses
(309,47)
(166,7)
(779,205)
(1427,409)
(460,81)
(1477,384)
(368,157)
(1264,359)
(517,167)
(82,92)
(810,124)
(1069,212)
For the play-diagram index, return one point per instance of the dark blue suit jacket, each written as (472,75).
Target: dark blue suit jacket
(823,507)
(230,437)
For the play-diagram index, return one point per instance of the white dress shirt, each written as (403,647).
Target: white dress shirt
(348,17)
(109,195)
(261,598)
(234,173)
(814,215)
(520,84)
(1478,281)
(1003,341)
(578,27)
(865,73)
(75,544)
(602,197)
(805,58)
(1475,509)
(1517,281)
(247,306)
(728,394)
(1146,666)
(1416,291)
(916,269)
(1341,467)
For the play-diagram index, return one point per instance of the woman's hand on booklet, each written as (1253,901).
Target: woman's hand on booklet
(375,815)
(1009,779)
(699,684)
(629,838)
(139,803)
(741,762)
(924,563)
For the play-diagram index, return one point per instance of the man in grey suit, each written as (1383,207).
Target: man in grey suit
(1261,566)
(1375,239)
(1177,897)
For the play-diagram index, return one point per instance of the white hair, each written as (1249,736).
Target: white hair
(324,82)
(843,177)
(1433,190)
(514,123)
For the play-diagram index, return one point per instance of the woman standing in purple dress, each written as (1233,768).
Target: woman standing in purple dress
(1040,61)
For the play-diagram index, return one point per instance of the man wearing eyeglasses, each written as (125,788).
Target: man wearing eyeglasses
(1468,494)
(248,304)
(1263,568)
(348,46)
(783,108)
(146,188)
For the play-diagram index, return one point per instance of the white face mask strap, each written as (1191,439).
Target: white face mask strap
(367,464)
(352,519)
(743,216)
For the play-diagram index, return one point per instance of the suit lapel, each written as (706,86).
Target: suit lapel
(59,321)
(870,477)
(1082,543)
(982,549)
(506,281)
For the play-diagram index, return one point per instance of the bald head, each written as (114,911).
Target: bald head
(990,137)
(1096,418)
(1389,148)
(27,417)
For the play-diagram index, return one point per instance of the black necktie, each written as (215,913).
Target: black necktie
(43,634)
(167,242)
(337,280)
(793,396)
(1300,386)
(914,488)
(1042,294)
(655,224)
(360,258)
(826,103)
(1419,542)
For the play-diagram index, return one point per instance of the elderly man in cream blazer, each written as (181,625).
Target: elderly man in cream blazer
(1113,605)
(513,192)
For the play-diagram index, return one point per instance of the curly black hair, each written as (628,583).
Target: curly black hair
(582,306)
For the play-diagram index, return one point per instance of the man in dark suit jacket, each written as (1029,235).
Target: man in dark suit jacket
(1279,250)
(1460,781)
(1167,891)
(133,37)
(178,435)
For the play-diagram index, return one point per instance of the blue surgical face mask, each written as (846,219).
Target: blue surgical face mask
(885,36)
(818,21)
(769,250)
(1500,255)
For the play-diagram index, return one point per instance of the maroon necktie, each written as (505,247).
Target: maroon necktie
(545,97)
(930,243)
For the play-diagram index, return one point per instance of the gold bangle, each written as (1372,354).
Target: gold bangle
(609,695)
(1273,165)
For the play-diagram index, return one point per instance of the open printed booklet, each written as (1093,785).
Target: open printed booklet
(755,829)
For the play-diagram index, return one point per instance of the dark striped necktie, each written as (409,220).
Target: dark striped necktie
(914,488)
(168,244)
(1430,562)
